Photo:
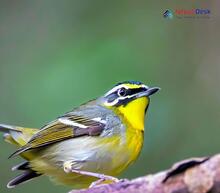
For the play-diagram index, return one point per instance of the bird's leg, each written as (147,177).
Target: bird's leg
(97,175)
(68,167)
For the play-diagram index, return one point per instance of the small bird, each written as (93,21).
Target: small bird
(87,146)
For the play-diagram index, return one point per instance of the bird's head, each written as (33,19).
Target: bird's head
(129,100)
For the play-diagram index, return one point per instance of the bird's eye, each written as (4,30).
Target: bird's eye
(122,92)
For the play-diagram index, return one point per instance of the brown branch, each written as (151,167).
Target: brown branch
(196,175)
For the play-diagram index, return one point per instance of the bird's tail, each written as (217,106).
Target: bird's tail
(27,175)
(19,136)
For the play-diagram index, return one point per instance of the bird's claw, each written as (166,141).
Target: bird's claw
(67,166)
(98,182)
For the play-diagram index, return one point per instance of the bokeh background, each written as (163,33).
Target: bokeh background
(55,55)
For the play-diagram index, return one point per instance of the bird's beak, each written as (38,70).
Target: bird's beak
(148,92)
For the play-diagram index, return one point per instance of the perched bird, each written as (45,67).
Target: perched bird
(90,144)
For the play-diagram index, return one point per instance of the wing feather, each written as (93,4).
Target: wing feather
(57,131)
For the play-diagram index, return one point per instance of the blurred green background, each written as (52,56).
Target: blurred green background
(55,55)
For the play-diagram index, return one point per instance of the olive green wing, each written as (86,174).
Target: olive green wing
(63,128)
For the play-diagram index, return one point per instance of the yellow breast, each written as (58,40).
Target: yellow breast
(133,113)
(132,116)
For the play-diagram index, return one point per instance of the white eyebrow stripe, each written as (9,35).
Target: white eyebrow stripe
(116,88)
(122,86)
(119,98)
(71,123)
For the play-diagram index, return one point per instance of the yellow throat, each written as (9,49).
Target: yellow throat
(134,112)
